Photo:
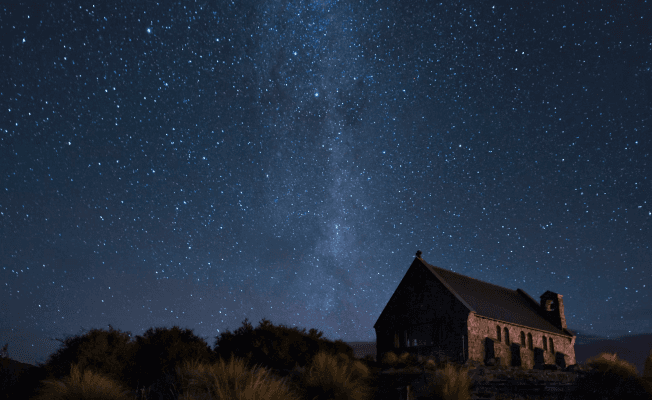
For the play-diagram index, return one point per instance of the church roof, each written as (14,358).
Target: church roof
(493,301)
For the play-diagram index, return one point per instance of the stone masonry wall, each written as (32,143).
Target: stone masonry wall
(421,309)
(483,337)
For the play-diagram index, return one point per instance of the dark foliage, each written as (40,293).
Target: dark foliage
(19,380)
(160,351)
(99,351)
(276,347)
(372,365)
(597,385)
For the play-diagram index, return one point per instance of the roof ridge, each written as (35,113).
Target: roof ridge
(469,277)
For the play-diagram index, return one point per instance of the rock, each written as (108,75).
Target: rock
(577,368)
(548,367)
(572,368)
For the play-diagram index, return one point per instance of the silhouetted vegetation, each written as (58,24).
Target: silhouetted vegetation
(160,351)
(611,378)
(268,362)
(100,351)
(277,347)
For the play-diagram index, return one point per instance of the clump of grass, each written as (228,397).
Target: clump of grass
(444,380)
(330,377)
(78,385)
(221,380)
(405,360)
(609,378)
(232,380)
(449,382)
(389,359)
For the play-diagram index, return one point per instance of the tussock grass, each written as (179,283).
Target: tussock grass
(612,378)
(78,385)
(445,380)
(327,378)
(331,377)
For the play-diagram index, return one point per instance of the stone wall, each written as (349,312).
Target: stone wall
(422,308)
(484,344)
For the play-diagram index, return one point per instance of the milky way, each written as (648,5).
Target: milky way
(196,164)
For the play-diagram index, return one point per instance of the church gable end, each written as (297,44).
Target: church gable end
(421,317)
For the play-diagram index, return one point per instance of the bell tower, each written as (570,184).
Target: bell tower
(552,306)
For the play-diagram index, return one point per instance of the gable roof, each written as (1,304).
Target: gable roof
(493,301)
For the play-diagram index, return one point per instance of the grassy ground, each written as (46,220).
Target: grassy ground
(326,378)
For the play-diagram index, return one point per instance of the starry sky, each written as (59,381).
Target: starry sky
(197,163)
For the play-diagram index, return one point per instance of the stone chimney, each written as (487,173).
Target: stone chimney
(552,306)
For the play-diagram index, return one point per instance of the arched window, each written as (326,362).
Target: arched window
(414,343)
(552,347)
(522,339)
(498,332)
(529,341)
(506,336)
(545,344)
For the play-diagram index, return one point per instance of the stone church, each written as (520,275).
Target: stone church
(439,313)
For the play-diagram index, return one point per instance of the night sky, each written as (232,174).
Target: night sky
(199,163)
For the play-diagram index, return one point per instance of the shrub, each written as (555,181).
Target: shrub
(101,351)
(609,378)
(276,347)
(160,351)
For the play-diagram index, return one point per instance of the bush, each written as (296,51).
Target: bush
(104,352)
(610,378)
(160,351)
(276,347)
